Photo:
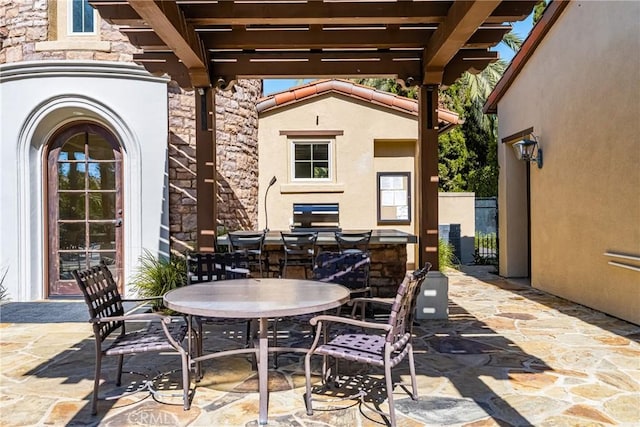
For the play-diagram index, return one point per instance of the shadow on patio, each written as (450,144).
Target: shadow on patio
(508,355)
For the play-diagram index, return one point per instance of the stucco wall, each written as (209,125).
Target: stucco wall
(579,91)
(460,208)
(365,126)
(35,31)
(37,99)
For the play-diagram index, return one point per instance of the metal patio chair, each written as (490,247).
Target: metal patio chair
(353,242)
(361,303)
(250,244)
(162,334)
(210,267)
(385,350)
(299,251)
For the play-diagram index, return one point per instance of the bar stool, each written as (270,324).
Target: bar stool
(250,244)
(299,251)
(353,242)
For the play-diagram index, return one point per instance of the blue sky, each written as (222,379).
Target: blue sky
(521,28)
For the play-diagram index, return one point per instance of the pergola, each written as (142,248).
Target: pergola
(205,44)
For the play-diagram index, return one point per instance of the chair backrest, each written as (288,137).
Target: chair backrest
(246,241)
(416,292)
(349,241)
(401,317)
(303,244)
(207,267)
(348,269)
(102,297)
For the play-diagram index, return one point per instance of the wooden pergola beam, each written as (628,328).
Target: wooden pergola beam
(400,64)
(461,23)
(316,12)
(169,24)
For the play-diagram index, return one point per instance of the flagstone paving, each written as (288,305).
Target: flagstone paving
(508,355)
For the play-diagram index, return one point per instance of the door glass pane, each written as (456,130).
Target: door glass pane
(70,261)
(95,257)
(72,235)
(102,205)
(99,148)
(71,205)
(71,176)
(102,236)
(73,149)
(102,176)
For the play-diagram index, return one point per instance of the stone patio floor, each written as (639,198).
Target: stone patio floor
(508,355)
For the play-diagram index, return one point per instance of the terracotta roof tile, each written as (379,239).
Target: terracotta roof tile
(353,90)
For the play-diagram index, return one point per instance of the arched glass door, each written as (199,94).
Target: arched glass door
(84,200)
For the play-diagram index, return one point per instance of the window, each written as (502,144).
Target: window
(82,17)
(311,160)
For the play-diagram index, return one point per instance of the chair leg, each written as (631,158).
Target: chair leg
(96,382)
(199,350)
(307,374)
(412,369)
(120,362)
(389,385)
(275,343)
(186,382)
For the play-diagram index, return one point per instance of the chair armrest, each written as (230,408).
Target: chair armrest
(134,317)
(141,299)
(349,321)
(371,300)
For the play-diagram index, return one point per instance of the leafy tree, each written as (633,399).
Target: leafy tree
(467,154)
(538,10)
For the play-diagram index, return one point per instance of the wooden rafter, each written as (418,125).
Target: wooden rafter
(202,41)
(316,12)
(166,20)
(461,23)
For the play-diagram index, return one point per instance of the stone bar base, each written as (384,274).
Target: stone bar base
(388,266)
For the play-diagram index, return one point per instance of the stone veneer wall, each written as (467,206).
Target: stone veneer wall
(23,23)
(237,154)
(388,266)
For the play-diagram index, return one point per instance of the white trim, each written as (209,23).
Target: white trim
(38,69)
(34,135)
(317,141)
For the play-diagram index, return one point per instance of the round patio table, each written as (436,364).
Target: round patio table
(255,299)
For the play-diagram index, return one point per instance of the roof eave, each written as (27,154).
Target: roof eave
(539,31)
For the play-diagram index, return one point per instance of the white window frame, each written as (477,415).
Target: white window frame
(70,21)
(292,164)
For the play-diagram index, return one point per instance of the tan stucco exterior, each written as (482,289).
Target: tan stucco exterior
(460,209)
(580,91)
(374,139)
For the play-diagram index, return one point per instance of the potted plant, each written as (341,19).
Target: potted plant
(158,275)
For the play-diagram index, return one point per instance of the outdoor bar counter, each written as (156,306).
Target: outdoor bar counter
(387,248)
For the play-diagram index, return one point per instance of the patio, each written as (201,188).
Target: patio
(508,355)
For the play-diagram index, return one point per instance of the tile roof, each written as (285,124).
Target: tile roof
(447,118)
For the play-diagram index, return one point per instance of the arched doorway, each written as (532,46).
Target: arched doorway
(84,204)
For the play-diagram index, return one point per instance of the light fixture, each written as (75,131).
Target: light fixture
(528,150)
(266,218)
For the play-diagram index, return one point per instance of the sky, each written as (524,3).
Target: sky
(521,28)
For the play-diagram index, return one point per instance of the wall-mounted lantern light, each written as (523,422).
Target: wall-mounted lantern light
(528,151)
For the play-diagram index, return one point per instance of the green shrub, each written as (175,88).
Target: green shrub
(158,275)
(446,255)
